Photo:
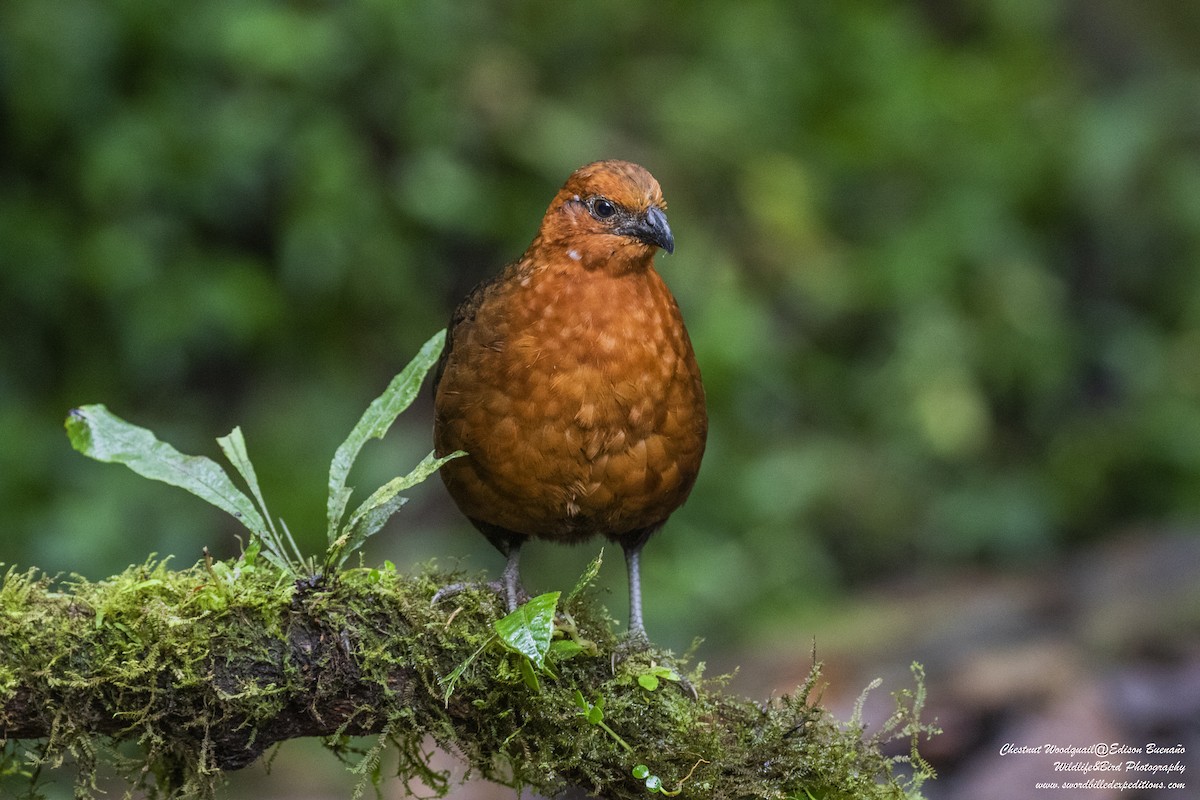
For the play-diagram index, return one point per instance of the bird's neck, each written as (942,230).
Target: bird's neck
(592,254)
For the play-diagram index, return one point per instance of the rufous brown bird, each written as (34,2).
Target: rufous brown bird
(569,380)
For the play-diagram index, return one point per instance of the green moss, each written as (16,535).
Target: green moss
(203,668)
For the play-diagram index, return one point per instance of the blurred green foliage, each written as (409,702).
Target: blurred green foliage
(939,260)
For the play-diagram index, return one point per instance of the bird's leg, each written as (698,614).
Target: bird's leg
(637,630)
(637,639)
(509,544)
(510,584)
(512,574)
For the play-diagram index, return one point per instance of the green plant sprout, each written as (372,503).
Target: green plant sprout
(99,434)
(654,783)
(650,676)
(529,633)
(594,714)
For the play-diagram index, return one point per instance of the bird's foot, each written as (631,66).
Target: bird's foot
(496,587)
(634,641)
(450,590)
(634,647)
(632,644)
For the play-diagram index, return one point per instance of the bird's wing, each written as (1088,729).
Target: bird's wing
(464,313)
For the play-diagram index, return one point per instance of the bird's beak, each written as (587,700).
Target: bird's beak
(651,228)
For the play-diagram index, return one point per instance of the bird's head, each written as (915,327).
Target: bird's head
(608,210)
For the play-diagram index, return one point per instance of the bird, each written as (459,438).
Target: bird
(570,382)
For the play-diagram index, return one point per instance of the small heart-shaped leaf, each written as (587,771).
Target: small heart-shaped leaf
(529,629)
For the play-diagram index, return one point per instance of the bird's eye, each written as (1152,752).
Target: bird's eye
(603,208)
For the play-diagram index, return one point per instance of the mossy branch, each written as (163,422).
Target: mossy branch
(208,667)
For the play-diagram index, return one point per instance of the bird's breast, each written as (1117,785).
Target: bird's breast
(579,402)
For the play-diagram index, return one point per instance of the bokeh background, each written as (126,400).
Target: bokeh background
(940,262)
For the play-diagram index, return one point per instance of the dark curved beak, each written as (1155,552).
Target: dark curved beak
(651,228)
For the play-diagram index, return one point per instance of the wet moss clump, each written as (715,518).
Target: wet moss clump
(205,668)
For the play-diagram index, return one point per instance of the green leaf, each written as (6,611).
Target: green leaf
(528,630)
(377,509)
(374,423)
(250,554)
(234,447)
(528,675)
(101,435)
(589,575)
(366,517)
(563,649)
(649,680)
(641,771)
(449,681)
(595,713)
(364,523)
